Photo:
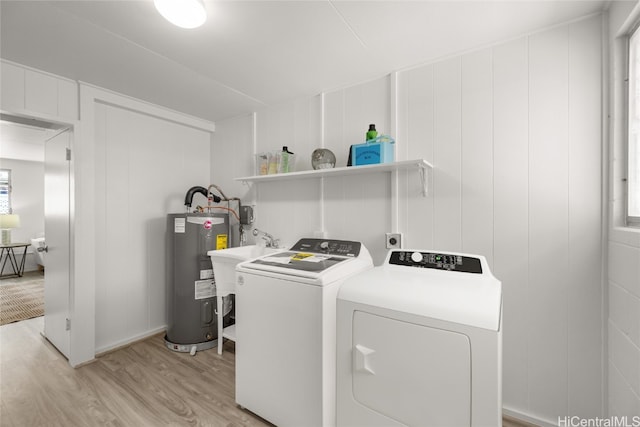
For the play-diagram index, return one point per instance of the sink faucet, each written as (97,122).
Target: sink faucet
(271,242)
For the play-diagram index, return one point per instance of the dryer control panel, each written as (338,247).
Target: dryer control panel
(438,261)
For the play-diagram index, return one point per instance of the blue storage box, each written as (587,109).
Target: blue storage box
(372,153)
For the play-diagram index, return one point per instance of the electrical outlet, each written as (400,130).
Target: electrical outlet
(393,240)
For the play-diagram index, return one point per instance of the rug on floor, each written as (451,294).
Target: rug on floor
(21,301)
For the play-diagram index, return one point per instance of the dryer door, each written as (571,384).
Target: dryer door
(414,374)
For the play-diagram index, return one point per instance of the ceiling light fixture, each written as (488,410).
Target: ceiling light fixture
(183,13)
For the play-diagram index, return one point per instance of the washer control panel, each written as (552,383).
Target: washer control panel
(330,247)
(438,261)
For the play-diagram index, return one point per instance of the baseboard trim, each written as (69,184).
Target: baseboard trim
(125,343)
(525,418)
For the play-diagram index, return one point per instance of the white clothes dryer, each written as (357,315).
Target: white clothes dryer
(419,343)
(286,330)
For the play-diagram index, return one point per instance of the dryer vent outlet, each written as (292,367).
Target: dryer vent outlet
(393,240)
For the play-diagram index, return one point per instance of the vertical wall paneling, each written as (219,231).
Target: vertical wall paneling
(12,87)
(120,296)
(348,113)
(585,222)
(100,221)
(254,161)
(513,132)
(131,214)
(548,222)
(401,113)
(27,200)
(364,104)
(624,323)
(399,152)
(231,149)
(477,153)
(67,99)
(417,131)
(447,156)
(288,210)
(321,207)
(333,123)
(511,212)
(355,206)
(285,209)
(41,93)
(623,326)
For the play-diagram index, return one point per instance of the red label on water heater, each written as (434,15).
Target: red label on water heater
(207,224)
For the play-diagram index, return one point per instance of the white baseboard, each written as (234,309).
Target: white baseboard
(528,418)
(123,343)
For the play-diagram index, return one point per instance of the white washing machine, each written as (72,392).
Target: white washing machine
(419,343)
(286,330)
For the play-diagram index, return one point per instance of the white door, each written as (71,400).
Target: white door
(411,373)
(57,231)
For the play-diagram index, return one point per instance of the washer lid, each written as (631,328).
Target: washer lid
(305,264)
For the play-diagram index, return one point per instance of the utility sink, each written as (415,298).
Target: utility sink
(224,261)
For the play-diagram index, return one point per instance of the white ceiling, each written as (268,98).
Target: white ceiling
(20,141)
(250,54)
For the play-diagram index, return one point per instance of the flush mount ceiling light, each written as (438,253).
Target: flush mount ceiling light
(183,13)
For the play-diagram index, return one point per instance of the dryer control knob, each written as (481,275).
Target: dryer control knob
(416,257)
(324,245)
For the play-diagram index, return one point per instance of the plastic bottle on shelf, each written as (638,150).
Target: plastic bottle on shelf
(286,160)
(273,163)
(372,132)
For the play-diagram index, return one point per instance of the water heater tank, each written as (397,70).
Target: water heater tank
(192,324)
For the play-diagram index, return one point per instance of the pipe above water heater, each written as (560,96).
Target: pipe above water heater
(188,198)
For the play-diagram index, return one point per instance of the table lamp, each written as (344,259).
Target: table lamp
(7,222)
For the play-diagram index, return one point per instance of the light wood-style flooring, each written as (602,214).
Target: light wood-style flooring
(143,384)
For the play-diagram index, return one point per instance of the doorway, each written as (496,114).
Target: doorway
(29,141)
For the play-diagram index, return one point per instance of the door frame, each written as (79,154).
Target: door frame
(74,127)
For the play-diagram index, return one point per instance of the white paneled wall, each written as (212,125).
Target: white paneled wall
(624,323)
(232,146)
(144,167)
(584,302)
(623,348)
(27,200)
(548,223)
(348,113)
(33,92)
(511,211)
(514,134)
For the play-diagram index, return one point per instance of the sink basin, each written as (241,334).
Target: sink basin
(241,253)
(224,262)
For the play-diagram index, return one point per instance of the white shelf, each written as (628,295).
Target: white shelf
(420,164)
(230,332)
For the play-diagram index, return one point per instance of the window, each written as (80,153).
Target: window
(5,191)
(633,146)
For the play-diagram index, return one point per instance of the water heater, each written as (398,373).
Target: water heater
(191,287)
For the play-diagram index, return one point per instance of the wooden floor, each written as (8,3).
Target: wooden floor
(141,385)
